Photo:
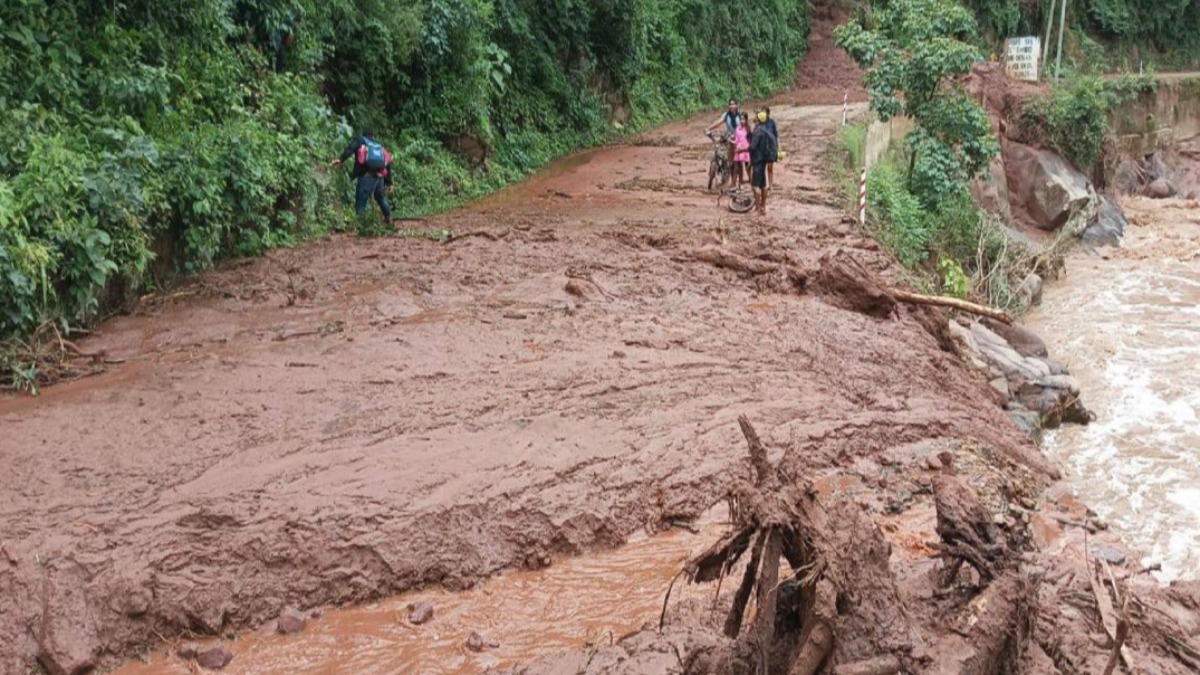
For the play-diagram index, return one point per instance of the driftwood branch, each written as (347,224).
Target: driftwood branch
(952,303)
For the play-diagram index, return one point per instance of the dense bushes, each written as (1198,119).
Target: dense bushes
(144,137)
(1074,118)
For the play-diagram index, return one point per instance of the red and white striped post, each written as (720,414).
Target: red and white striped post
(862,197)
(845,108)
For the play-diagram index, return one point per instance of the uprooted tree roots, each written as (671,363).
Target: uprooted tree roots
(838,609)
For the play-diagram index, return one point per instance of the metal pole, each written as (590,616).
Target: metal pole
(1049,34)
(1062,28)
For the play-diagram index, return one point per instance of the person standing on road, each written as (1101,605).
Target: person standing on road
(372,170)
(774,131)
(762,150)
(741,156)
(730,119)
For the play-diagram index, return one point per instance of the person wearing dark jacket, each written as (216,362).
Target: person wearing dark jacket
(774,131)
(762,152)
(371,182)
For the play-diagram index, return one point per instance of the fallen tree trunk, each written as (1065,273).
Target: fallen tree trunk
(953,303)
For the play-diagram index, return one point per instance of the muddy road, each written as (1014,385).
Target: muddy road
(353,418)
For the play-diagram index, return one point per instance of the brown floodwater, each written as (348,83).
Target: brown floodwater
(592,599)
(1127,325)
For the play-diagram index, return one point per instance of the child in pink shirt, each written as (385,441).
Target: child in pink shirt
(741,151)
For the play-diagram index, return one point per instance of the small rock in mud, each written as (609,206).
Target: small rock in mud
(478,643)
(214,658)
(419,613)
(317,613)
(933,463)
(291,621)
(618,354)
(188,651)
(1109,554)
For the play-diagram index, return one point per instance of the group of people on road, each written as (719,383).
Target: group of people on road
(752,152)
(752,156)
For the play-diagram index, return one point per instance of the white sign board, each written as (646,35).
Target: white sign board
(1022,58)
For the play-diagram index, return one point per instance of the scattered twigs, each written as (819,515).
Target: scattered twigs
(490,236)
(45,357)
(1112,623)
(662,618)
(1122,634)
(953,303)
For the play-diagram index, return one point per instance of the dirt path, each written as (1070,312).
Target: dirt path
(353,418)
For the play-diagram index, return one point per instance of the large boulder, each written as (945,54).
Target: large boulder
(991,191)
(997,352)
(1024,341)
(1044,185)
(1109,226)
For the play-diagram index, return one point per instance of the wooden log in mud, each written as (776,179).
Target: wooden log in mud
(952,303)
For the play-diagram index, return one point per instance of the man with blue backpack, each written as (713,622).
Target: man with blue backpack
(372,170)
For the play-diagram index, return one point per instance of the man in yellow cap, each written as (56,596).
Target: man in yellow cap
(763,150)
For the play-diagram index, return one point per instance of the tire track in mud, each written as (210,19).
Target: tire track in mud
(469,414)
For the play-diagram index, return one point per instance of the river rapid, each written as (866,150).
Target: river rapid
(1126,322)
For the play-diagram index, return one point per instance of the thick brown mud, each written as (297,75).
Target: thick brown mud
(522,615)
(355,418)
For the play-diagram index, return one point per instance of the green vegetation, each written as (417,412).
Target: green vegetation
(144,138)
(911,51)
(920,203)
(1074,119)
(1102,35)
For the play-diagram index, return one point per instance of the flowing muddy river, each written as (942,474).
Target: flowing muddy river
(1127,324)
(586,600)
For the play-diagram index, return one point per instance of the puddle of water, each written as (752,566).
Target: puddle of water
(588,600)
(1129,329)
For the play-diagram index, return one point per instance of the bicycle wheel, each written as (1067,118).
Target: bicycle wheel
(712,173)
(740,201)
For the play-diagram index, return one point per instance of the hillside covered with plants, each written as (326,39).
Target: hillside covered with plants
(915,54)
(146,138)
(1103,35)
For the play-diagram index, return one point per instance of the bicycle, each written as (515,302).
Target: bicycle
(741,199)
(719,164)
